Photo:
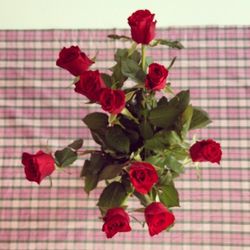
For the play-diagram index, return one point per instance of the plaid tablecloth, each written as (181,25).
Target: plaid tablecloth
(37,107)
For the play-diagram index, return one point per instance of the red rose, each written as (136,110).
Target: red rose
(73,60)
(37,166)
(158,218)
(90,85)
(116,220)
(142,26)
(112,100)
(206,150)
(143,176)
(156,77)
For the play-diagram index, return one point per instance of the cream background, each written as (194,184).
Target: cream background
(44,14)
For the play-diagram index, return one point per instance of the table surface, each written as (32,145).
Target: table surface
(36,106)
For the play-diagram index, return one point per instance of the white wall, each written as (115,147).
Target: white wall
(31,14)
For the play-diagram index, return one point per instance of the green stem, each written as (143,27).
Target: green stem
(148,199)
(50,182)
(143,57)
(144,199)
(198,171)
(85,152)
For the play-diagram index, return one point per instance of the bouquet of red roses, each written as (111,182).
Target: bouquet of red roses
(142,135)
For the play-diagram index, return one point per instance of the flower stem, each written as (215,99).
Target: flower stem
(50,182)
(143,57)
(144,199)
(148,199)
(85,152)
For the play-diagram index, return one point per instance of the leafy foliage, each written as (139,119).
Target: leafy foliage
(65,157)
(114,195)
(151,128)
(143,143)
(165,114)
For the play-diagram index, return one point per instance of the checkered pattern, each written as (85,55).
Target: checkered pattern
(37,107)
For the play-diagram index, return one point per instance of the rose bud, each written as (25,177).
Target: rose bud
(90,85)
(116,220)
(142,26)
(73,60)
(158,218)
(206,150)
(37,166)
(143,176)
(156,77)
(112,100)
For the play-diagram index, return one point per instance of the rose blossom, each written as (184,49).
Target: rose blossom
(73,60)
(206,150)
(142,26)
(158,218)
(156,77)
(37,166)
(116,220)
(112,100)
(143,176)
(90,85)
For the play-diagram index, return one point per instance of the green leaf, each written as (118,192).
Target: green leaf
(165,179)
(131,69)
(114,195)
(133,136)
(135,56)
(94,165)
(178,152)
(117,140)
(97,161)
(91,181)
(117,77)
(96,120)
(110,171)
(146,130)
(140,76)
(156,161)
(174,165)
(107,79)
(166,114)
(121,54)
(77,144)
(65,157)
(170,43)
(180,101)
(85,169)
(163,116)
(99,136)
(169,196)
(163,101)
(127,184)
(186,118)
(162,140)
(200,118)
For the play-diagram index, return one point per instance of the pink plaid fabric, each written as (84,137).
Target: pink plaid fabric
(37,107)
